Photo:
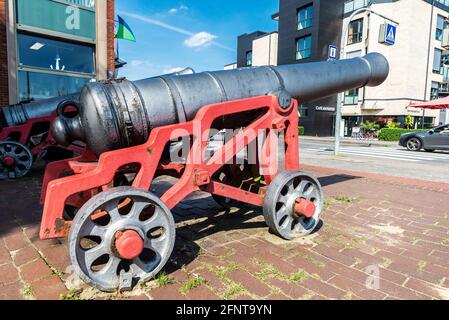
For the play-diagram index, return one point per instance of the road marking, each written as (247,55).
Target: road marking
(365,155)
(398,155)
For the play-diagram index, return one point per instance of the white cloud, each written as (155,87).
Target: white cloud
(193,36)
(172,70)
(176,10)
(200,39)
(139,63)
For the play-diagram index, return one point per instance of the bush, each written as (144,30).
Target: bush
(301,131)
(394,134)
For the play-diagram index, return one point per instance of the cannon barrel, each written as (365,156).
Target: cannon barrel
(115,115)
(18,114)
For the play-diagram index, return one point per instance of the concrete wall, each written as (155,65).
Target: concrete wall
(265,50)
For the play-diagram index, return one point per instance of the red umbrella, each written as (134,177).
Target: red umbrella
(442,103)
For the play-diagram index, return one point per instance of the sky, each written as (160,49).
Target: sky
(200,34)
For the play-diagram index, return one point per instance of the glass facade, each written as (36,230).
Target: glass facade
(58,55)
(305,17)
(39,85)
(304,48)
(55,47)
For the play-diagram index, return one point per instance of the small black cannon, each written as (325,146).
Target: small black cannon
(24,134)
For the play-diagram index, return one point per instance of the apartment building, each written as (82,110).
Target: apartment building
(306,29)
(418,61)
(257,49)
(53,47)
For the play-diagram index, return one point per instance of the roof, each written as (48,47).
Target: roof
(442,103)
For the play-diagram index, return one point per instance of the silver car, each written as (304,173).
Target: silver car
(435,139)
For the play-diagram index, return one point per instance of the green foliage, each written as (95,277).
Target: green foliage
(301,131)
(394,134)
(408,122)
(192,284)
(163,279)
(368,125)
(393,125)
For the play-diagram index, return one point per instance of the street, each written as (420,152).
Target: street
(374,157)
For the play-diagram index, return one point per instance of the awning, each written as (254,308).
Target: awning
(442,103)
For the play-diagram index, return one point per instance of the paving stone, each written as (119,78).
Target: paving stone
(35,270)
(8,274)
(49,288)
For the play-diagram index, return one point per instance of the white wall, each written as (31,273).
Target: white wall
(265,50)
(407,58)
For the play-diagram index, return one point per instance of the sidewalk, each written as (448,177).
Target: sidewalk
(351,141)
(382,238)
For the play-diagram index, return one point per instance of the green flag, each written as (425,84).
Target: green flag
(124,31)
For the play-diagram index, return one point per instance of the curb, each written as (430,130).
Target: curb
(425,184)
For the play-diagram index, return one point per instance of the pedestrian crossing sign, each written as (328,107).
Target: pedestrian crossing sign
(388,34)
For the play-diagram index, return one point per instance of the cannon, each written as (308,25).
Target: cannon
(120,233)
(24,134)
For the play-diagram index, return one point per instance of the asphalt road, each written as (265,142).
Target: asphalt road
(392,160)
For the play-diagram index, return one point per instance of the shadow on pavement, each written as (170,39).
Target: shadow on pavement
(335,179)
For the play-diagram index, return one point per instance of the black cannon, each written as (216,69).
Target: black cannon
(121,233)
(24,134)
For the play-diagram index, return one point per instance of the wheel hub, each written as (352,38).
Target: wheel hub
(304,207)
(9,161)
(129,244)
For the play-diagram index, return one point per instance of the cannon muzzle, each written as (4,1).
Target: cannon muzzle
(115,115)
(18,114)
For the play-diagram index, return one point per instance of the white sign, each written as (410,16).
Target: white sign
(332,54)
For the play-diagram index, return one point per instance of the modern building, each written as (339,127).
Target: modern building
(417,60)
(257,49)
(53,47)
(306,29)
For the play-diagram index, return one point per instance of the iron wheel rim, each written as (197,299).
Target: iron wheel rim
(280,200)
(141,268)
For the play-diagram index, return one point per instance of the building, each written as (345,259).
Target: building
(417,61)
(306,29)
(53,47)
(257,49)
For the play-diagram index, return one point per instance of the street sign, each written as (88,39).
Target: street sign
(388,34)
(332,53)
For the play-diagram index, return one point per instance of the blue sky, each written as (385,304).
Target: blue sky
(201,34)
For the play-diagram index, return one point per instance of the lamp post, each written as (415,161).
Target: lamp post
(338,116)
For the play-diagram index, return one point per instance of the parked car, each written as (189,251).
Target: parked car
(435,139)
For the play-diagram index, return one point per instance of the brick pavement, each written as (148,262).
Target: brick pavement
(382,238)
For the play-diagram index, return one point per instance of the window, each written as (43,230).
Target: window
(351,97)
(37,86)
(303,48)
(249,58)
(440,28)
(435,91)
(353,5)
(303,111)
(437,60)
(305,17)
(355,31)
(55,55)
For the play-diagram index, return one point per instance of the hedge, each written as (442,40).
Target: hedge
(394,134)
(301,131)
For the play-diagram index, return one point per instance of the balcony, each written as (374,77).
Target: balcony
(352,5)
